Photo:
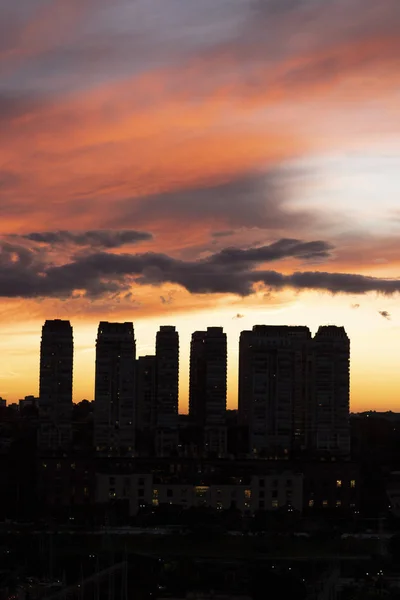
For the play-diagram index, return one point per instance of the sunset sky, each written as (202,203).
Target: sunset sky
(195,163)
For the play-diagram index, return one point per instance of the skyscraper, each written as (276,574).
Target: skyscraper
(208,387)
(114,408)
(145,404)
(274,387)
(167,390)
(328,422)
(55,386)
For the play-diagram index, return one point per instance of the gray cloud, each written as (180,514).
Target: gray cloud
(251,200)
(355,306)
(96,238)
(238,316)
(221,234)
(385,314)
(24,273)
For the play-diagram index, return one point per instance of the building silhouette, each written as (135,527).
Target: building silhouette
(273,386)
(208,388)
(114,407)
(55,386)
(167,390)
(146,398)
(328,426)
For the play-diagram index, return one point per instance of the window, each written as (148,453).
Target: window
(274,494)
(141,493)
(275,483)
(261,494)
(353,483)
(338,503)
(247,494)
(261,504)
(311,503)
(58,466)
(155,502)
(324,503)
(155,493)
(169,493)
(141,481)
(112,480)
(275,503)
(201,491)
(86,492)
(289,483)
(338,483)
(262,482)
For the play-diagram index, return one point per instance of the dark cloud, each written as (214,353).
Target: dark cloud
(25,273)
(97,238)
(385,314)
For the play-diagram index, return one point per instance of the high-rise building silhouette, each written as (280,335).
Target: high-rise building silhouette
(273,387)
(294,390)
(208,387)
(55,386)
(146,397)
(328,428)
(114,407)
(167,390)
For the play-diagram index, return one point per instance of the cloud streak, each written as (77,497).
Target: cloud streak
(95,238)
(24,273)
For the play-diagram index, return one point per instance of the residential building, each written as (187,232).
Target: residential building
(146,404)
(208,389)
(55,386)
(167,390)
(114,406)
(328,424)
(274,387)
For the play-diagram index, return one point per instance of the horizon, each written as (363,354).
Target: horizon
(218,161)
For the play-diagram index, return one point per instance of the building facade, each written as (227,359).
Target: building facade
(146,404)
(114,407)
(328,419)
(167,391)
(208,389)
(273,387)
(294,390)
(55,386)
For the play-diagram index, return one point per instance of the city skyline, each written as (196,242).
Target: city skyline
(176,163)
(116,345)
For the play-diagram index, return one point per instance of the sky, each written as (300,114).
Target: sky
(198,163)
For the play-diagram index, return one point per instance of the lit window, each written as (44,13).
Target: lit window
(275,503)
(44,466)
(155,502)
(353,483)
(58,466)
(246,505)
(73,465)
(247,494)
(155,493)
(86,492)
(338,503)
(311,503)
(201,491)
(338,483)
(325,503)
